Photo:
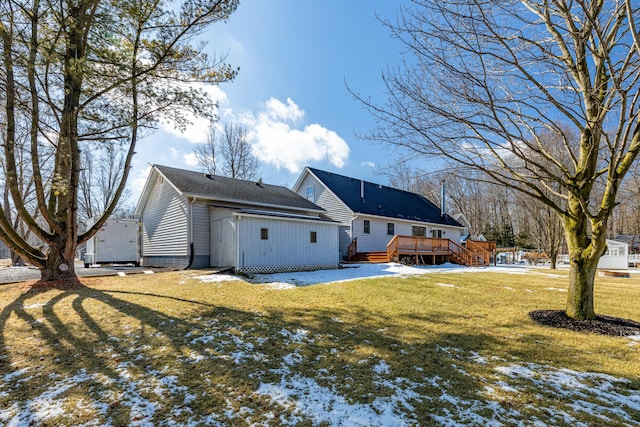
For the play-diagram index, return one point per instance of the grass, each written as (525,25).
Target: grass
(437,349)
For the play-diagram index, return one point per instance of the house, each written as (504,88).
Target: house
(197,220)
(616,257)
(372,213)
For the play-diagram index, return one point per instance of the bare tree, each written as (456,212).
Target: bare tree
(207,152)
(228,152)
(98,183)
(625,224)
(84,75)
(484,80)
(485,205)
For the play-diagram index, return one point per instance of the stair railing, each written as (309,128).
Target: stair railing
(392,249)
(466,255)
(479,252)
(352,249)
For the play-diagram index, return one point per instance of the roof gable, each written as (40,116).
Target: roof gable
(224,189)
(380,200)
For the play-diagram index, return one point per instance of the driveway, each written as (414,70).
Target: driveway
(21,274)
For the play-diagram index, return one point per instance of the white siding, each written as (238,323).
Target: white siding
(201,232)
(116,241)
(404,229)
(164,222)
(288,246)
(335,209)
(616,257)
(377,240)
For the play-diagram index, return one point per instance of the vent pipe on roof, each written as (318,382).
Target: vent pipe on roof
(362,190)
(443,200)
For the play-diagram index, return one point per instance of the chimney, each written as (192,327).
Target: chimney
(362,190)
(443,200)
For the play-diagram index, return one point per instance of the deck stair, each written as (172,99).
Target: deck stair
(419,248)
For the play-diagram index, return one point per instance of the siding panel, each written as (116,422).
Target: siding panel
(201,231)
(335,209)
(378,239)
(288,246)
(164,223)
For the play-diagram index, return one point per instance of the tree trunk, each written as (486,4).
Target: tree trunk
(585,248)
(16,259)
(59,265)
(553,257)
(582,275)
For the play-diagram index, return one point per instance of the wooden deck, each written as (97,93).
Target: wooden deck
(428,250)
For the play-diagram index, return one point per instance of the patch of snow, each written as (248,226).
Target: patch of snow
(600,395)
(44,406)
(14,374)
(305,397)
(297,336)
(555,289)
(280,286)
(215,278)
(447,285)
(363,271)
(292,359)
(382,368)
(35,305)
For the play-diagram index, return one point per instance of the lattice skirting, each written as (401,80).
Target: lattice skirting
(285,268)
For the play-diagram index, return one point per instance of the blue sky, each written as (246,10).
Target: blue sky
(296,58)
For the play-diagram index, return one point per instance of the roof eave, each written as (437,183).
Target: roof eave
(406,219)
(250,203)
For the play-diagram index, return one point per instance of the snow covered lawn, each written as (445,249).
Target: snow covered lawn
(402,346)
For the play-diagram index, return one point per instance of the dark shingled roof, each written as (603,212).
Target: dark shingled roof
(380,200)
(221,188)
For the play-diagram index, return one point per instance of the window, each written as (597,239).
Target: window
(418,231)
(311,196)
(391,229)
(367,226)
(436,233)
(314,237)
(264,234)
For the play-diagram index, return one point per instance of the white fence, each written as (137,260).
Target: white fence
(634,260)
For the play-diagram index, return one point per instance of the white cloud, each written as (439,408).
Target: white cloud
(276,110)
(368,164)
(137,183)
(276,142)
(190,159)
(276,133)
(196,130)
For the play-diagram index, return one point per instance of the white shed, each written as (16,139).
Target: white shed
(616,257)
(259,241)
(116,242)
(197,220)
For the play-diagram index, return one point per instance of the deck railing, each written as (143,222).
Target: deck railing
(418,246)
(352,249)
(482,250)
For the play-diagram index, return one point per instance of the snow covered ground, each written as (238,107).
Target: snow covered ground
(362,271)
